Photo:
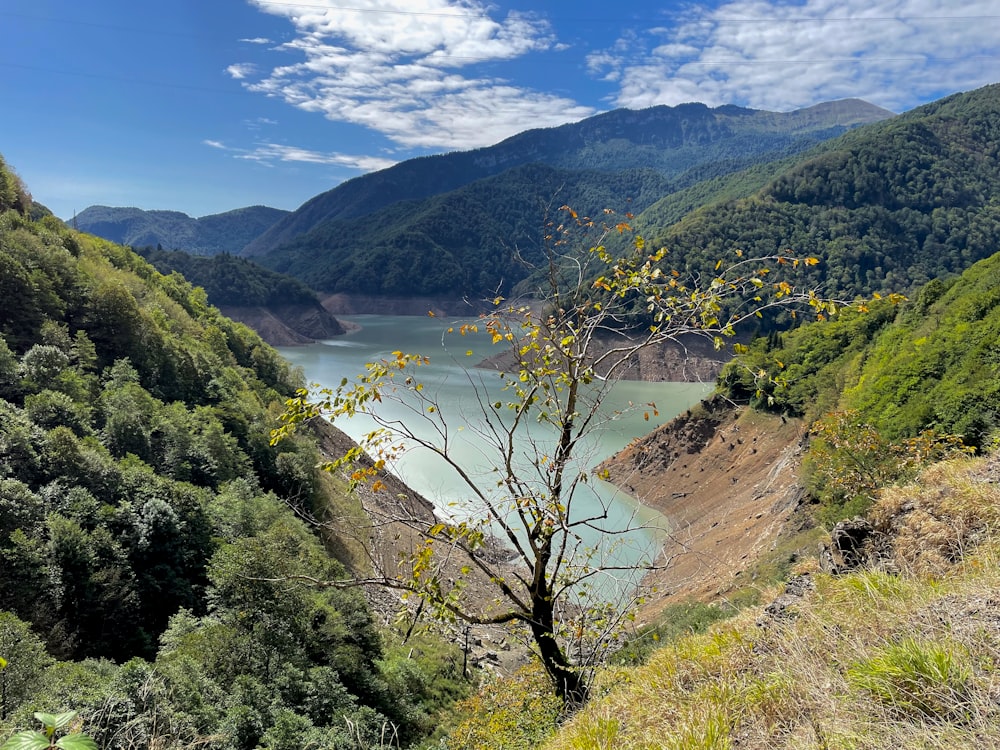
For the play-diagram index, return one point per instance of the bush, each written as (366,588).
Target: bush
(508,712)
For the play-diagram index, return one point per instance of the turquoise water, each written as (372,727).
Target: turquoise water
(453,382)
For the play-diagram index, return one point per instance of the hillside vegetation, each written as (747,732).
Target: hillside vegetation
(887,207)
(228,232)
(230,280)
(457,224)
(466,242)
(149,532)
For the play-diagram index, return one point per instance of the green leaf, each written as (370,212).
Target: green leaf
(64,719)
(46,720)
(76,742)
(26,740)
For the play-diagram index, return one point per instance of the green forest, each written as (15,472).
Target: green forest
(149,533)
(154,544)
(887,207)
(231,280)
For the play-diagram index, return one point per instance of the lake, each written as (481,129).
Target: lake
(451,379)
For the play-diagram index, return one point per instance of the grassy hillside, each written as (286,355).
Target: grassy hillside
(898,657)
(150,534)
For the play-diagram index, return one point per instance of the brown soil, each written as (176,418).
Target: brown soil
(727,479)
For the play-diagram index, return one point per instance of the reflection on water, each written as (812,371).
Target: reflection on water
(453,383)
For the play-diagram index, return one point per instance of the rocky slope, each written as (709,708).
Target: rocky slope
(397,519)
(287,325)
(727,479)
(693,361)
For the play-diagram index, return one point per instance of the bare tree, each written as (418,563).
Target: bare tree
(562,367)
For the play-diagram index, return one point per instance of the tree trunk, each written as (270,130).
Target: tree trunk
(570,685)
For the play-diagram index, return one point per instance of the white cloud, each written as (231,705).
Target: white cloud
(269,153)
(402,68)
(239,71)
(257,40)
(787,54)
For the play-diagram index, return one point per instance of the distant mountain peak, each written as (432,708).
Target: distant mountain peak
(667,140)
(226,232)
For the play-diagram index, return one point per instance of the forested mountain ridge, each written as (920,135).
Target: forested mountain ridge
(887,207)
(282,309)
(149,531)
(669,140)
(931,364)
(467,241)
(228,232)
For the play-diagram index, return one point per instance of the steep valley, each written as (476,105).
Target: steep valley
(727,478)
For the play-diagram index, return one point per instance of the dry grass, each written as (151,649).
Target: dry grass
(898,658)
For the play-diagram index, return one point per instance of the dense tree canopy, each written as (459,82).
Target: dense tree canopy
(887,207)
(139,500)
(231,280)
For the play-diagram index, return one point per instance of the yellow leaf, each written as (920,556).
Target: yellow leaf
(430,314)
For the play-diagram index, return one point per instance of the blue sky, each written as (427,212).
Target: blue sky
(208,105)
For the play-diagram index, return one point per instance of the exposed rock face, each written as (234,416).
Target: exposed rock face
(287,325)
(784,607)
(849,547)
(727,479)
(694,360)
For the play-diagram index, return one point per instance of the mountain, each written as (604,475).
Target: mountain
(449,223)
(150,534)
(886,207)
(459,243)
(281,309)
(669,140)
(227,232)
